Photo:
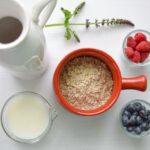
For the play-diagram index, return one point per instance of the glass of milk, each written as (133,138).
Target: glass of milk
(27,117)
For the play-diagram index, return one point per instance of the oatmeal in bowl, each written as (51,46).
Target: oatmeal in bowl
(88,82)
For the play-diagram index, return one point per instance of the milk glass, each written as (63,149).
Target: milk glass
(14,124)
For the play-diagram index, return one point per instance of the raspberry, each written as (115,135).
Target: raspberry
(129,52)
(139,37)
(143,46)
(144,56)
(131,42)
(136,57)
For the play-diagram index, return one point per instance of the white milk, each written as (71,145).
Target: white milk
(27,116)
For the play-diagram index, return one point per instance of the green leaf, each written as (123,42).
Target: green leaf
(67,15)
(78,8)
(68,34)
(76,36)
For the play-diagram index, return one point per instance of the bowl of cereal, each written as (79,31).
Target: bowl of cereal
(88,82)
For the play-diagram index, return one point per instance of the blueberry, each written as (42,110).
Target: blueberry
(139,120)
(135,113)
(145,126)
(148,112)
(148,118)
(130,129)
(127,113)
(142,113)
(145,118)
(131,108)
(137,130)
(132,120)
(125,120)
(143,108)
(137,106)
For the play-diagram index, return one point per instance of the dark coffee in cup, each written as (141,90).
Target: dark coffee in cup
(10,29)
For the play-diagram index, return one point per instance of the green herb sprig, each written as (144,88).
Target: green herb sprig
(78,8)
(68,15)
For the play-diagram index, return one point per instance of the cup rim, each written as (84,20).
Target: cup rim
(124,45)
(22,140)
(115,73)
(24,32)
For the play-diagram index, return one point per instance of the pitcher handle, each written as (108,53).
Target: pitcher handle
(42,11)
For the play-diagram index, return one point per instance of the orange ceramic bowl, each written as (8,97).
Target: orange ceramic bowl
(137,83)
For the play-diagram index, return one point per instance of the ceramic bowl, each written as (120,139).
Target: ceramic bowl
(138,83)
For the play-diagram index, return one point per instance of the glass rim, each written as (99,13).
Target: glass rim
(124,43)
(22,140)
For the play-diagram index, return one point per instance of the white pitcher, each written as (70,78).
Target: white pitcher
(26,56)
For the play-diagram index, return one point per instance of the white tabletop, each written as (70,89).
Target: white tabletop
(72,132)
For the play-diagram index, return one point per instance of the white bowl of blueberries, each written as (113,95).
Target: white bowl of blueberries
(135,118)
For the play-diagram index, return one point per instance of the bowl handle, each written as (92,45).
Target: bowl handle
(136,83)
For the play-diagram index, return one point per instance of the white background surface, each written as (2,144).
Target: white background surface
(72,132)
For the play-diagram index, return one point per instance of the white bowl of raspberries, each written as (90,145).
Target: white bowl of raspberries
(136,47)
(135,118)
